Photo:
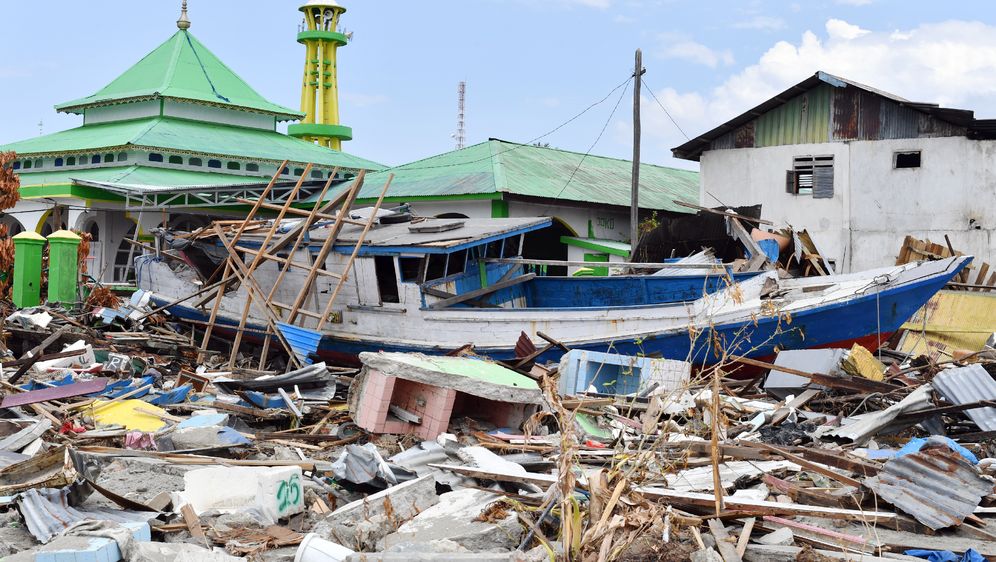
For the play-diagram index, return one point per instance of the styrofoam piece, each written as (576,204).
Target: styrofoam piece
(316,549)
(277,492)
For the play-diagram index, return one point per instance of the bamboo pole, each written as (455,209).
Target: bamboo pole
(326,247)
(356,250)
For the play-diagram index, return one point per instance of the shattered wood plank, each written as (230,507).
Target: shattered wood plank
(723,541)
(856,384)
(745,535)
(838,459)
(193,523)
(530,477)
(781,414)
(763,507)
(846,498)
(845,480)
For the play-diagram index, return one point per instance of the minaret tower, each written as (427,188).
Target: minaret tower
(320,89)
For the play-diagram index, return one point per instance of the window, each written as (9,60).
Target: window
(511,247)
(811,175)
(410,268)
(38,163)
(27,164)
(108,158)
(95,159)
(58,162)
(71,161)
(298,171)
(317,174)
(252,167)
(436,267)
(122,156)
(175,160)
(214,163)
(283,171)
(456,262)
(387,278)
(16,165)
(234,166)
(195,162)
(909,159)
(155,157)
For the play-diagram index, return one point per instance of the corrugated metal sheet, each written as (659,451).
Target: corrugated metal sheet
(47,512)
(950,320)
(845,110)
(303,341)
(870,117)
(860,429)
(964,385)
(938,487)
(744,136)
(800,120)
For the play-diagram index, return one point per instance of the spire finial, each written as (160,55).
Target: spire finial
(183,22)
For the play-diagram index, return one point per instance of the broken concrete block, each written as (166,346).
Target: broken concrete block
(316,549)
(361,524)
(706,555)
(178,552)
(780,537)
(277,492)
(454,519)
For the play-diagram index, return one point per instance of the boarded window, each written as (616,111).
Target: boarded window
(811,175)
(410,268)
(910,159)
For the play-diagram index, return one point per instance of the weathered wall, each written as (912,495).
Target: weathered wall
(874,205)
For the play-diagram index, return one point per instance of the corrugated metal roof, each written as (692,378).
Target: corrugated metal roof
(964,385)
(47,512)
(860,429)
(190,136)
(938,487)
(135,175)
(532,172)
(182,68)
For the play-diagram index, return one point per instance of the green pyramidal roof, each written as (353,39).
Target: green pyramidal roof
(182,68)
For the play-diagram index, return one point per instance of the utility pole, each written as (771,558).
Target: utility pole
(634,206)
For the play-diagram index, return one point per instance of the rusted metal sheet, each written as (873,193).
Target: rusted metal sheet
(869,120)
(845,109)
(938,487)
(897,121)
(744,136)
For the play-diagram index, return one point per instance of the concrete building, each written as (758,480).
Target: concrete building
(858,167)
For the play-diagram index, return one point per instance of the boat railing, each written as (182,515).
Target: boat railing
(718,267)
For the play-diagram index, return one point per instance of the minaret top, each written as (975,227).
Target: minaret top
(183,22)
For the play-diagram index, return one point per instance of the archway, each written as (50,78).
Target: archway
(545,244)
(13,225)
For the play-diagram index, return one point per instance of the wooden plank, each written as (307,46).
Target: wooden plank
(745,535)
(477,293)
(845,480)
(33,356)
(763,507)
(193,523)
(632,265)
(530,477)
(799,401)
(723,541)
(285,261)
(981,278)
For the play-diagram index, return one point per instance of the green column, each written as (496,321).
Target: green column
(63,267)
(27,268)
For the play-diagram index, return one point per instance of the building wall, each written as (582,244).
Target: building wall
(874,205)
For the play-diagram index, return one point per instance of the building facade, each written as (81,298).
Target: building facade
(858,168)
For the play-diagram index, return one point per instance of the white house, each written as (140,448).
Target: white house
(859,168)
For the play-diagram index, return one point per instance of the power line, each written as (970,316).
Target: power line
(518,146)
(599,137)
(666,112)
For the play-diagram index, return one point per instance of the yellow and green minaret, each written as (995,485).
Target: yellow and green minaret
(320,89)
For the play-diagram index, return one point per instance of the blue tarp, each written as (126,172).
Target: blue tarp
(945,555)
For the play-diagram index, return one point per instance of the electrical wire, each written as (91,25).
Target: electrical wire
(598,138)
(666,112)
(624,83)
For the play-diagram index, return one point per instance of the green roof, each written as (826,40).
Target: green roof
(133,174)
(500,167)
(166,133)
(182,68)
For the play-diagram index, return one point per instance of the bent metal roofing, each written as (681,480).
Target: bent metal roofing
(182,68)
(166,133)
(527,171)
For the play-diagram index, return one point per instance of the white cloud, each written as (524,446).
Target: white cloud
(761,22)
(950,63)
(694,52)
(358,99)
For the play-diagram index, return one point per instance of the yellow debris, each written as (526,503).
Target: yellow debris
(861,363)
(127,413)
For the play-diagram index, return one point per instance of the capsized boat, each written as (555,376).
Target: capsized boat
(441,284)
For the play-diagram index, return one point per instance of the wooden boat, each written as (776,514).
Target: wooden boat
(446,284)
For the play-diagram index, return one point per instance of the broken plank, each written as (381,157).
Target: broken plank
(745,535)
(845,480)
(723,541)
(530,477)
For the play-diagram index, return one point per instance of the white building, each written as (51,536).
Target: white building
(858,168)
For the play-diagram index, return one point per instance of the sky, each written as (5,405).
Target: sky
(530,65)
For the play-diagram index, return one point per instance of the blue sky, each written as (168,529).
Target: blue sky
(529,64)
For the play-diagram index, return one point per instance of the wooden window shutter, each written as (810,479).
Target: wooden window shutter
(823,182)
(790,181)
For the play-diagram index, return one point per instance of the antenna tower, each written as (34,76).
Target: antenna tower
(461,133)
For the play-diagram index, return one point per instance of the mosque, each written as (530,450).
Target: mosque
(179,139)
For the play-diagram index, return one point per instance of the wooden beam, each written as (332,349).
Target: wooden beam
(476,293)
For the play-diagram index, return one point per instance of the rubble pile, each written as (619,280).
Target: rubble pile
(121,438)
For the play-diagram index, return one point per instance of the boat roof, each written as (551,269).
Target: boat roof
(435,236)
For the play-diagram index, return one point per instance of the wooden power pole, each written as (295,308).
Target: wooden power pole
(634,207)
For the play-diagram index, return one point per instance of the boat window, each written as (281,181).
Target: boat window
(511,247)
(436,267)
(409,269)
(387,278)
(456,263)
